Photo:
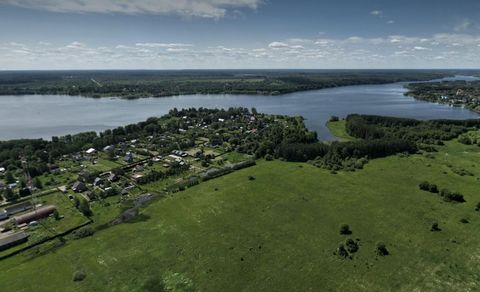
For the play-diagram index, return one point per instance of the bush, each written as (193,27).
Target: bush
(345,229)
(83,232)
(341,251)
(477,207)
(449,196)
(269,157)
(428,187)
(251,177)
(79,276)
(381,249)
(334,119)
(435,227)
(464,221)
(351,245)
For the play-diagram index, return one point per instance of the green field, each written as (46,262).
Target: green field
(279,231)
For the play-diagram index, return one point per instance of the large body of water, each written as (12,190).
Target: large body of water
(44,116)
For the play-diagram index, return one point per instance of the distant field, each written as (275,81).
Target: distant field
(279,231)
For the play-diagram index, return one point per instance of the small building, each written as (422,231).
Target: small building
(62,189)
(53,168)
(89,196)
(12,239)
(79,187)
(3,214)
(108,148)
(91,151)
(139,168)
(2,170)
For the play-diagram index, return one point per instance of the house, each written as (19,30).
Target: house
(62,189)
(113,177)
(137,176)
(12,185)
(53,168)
(91,151)
(128,157)
(79,187)
(98,182)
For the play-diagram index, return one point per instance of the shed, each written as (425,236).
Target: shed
(12,210)
(91,151)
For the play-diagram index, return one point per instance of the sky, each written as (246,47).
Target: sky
(239,34)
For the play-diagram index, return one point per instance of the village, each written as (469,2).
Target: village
(92,186)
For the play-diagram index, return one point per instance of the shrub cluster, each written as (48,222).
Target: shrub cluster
(449,196)
(428,187)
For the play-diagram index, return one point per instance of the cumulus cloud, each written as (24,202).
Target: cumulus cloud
(437,51)
(197,8)
(163,45)
(376,12)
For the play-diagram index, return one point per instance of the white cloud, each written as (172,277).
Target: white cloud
(390,22)
(162,45)
(198,8)
(419,48)
(278,45)
(376,12)
(353,52)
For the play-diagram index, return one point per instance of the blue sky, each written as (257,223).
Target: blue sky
(191,34)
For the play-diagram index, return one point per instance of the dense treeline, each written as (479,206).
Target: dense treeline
(136,84)
(429,132)
(378,137)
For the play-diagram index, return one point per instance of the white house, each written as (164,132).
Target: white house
(90,151)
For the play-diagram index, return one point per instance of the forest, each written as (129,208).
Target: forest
(138,84)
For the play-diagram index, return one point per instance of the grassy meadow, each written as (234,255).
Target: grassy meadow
(279,232)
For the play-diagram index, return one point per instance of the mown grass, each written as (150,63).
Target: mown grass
(278,232)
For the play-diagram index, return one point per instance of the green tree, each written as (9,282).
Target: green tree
(10,195)
(9,178)
(37,183)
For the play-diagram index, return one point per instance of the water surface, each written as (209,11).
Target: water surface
(44,116)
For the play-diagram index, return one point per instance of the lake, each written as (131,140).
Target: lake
(44,116)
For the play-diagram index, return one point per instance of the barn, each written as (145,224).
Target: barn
(12,239)
(40,213)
